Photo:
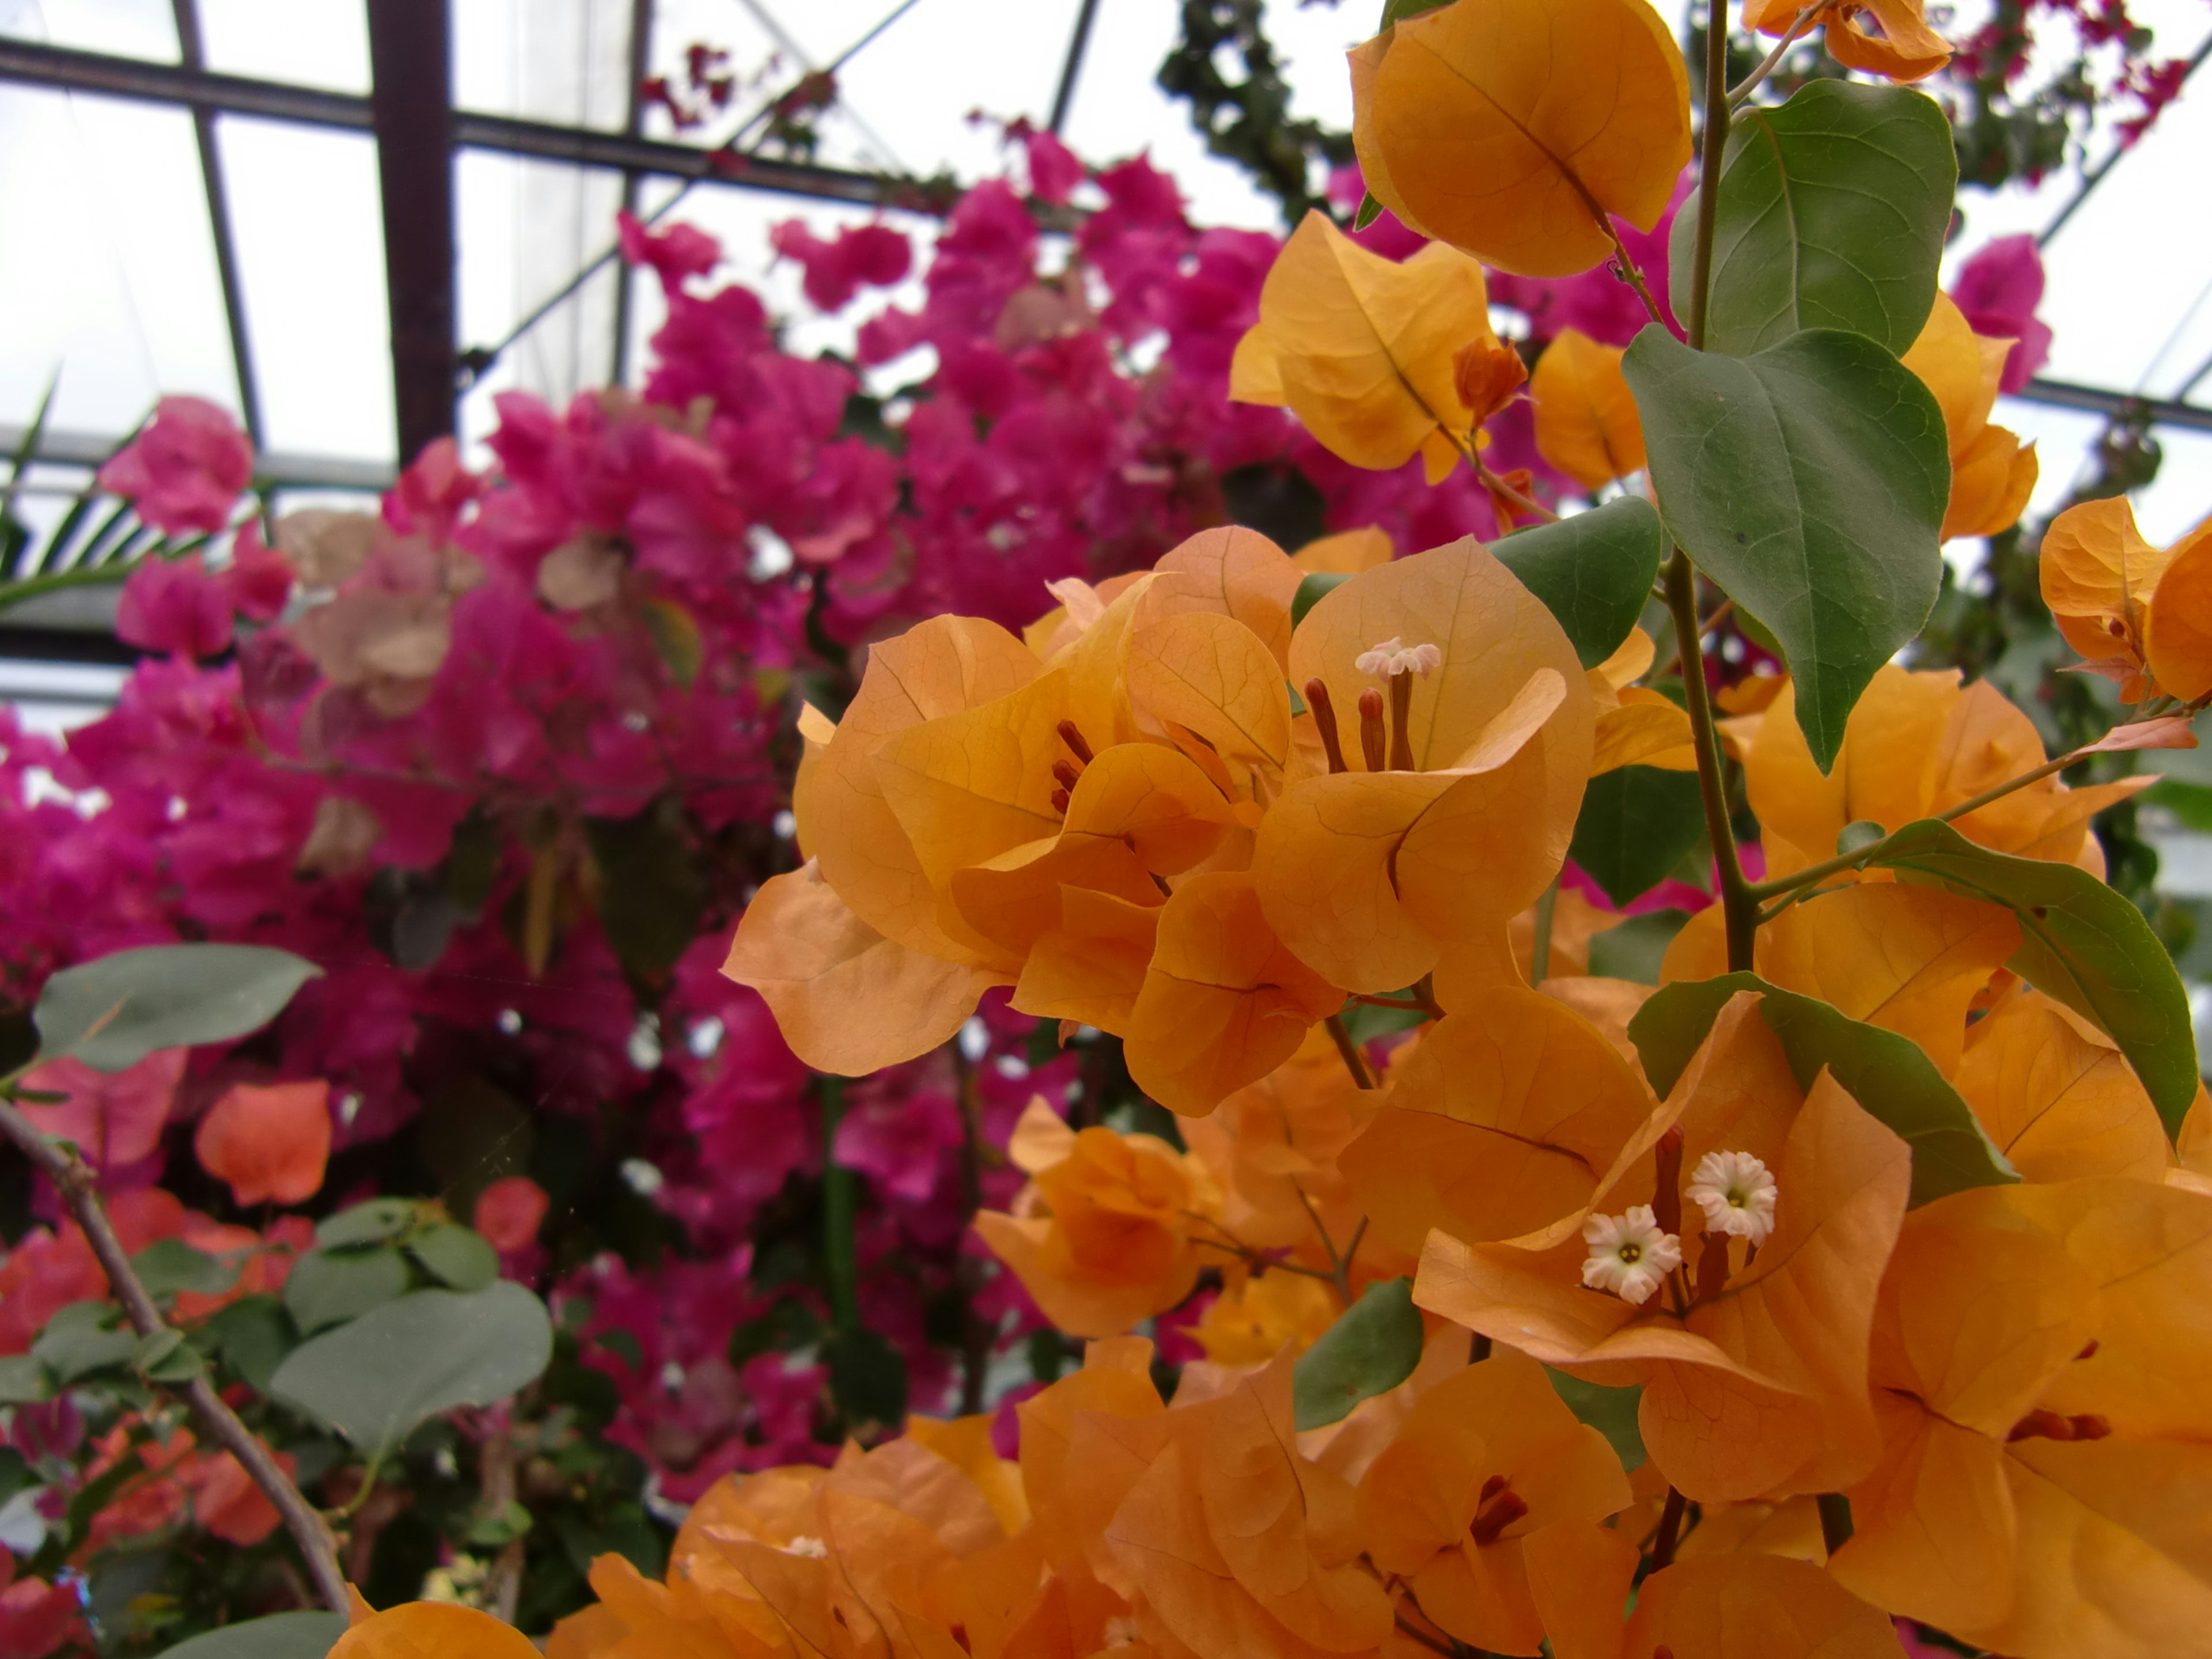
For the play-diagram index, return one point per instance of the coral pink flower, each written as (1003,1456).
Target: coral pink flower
(271,1144)
(509,1212)
(113,1117)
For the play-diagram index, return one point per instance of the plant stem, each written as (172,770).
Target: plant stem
(840,1201)
(1670,1530)
(1739,902)
(1350,1050)
(73,1182)
(1711,146)
(1835,1520)
(1630,273)
(30,587)
(975,1333)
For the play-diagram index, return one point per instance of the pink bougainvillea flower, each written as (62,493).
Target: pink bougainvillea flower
(678,253)
(184,469)
(36,1617)
(875,256)
(176,607)
(271,1144)
(113,1117)
(1998,290)
(509,1212)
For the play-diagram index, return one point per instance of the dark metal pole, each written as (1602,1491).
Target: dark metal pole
(1073,68)
(640,61)
(411,104)
(191,52)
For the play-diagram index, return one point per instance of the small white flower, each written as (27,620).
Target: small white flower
(1629,1255)
(1737,1194)
(812,1549)
(1393,657)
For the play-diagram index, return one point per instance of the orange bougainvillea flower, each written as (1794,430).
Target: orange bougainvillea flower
(1992,472)
(1107,1232)
(2100,579)
(1223,1003)
(2057,1097)
(433,1630)
(1751,1348)
(2038,1432)
(1916,745)
(1511,128)
(1905,50)
(1484,1464)
(1250,1323)
(1236,1544)
(1365,351)
(1748,1607)
(270,1144)
(1586,422)
(1463,818)
(1636,725)
(1502,1119)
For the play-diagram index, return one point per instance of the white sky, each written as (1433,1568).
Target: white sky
(110,274)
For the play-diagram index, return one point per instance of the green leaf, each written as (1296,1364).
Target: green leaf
(280,1636)
(377,1379)
(111,1013)
(84,1338)
(650,892)
(1594,571)
(1833,208)
(253,1335)
(1312,590)
(1634,950)
(1371,1350)
(1610,1411)
(1809,482)
(1636,823)
(867,1377)
(2079,942)
(1397,11)
(164,1356)
(170,1265)
(378,1221)
(16,1474)
(1370,211)
(1891,1078)
(328,1287)
(455,1256)
(23,1381)
(2189,802)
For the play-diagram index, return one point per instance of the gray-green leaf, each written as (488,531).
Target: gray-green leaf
(375,1222)
(82,1338)
(113,1011)
(1369,1351)
(455,1256)
(1893,1082)
(328,1287)
(170,1265)
(1832,211)
(1593,571)
(375,1380)
(1636,824)
(1809,482)
(2079,942)
(280,1636)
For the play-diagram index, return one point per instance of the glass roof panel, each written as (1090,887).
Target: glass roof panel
(110,279)
(564,61)
(126,28)
(311,256)
(313,43)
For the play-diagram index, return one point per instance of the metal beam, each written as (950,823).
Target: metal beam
(2161,411)
(277,470)
(411,97)
(641,64)
(28,64)
(1072,69)
(192,50)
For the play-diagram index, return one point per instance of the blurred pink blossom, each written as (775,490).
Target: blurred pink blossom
(185,468)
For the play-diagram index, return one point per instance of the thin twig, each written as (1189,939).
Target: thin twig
(1350,1050)
(60,1164)
(1339,1265)
(1739,904)
(1750,83)
(1629,272)
(1670,1530)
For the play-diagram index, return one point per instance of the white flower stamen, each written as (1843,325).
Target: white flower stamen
(1393,657)
(1737,1194)
(812,1549)
(1629,1255)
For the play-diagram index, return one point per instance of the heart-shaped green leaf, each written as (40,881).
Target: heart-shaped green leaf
(1832,211)
(1887,1074)
(1809,482)
(280,1636)
(1593,571)
(1636,824)
(376,1379)
(2079,942)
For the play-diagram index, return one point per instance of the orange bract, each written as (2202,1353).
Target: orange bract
(2103,583)
(433,1630)
(1363,349)
(1586,422)
(1905,50)
(270,1145)
(1992,473)
(1512,128)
